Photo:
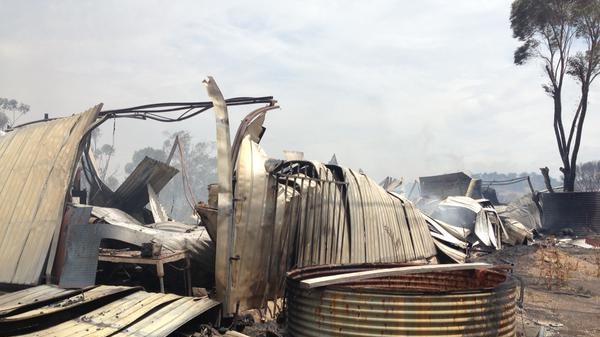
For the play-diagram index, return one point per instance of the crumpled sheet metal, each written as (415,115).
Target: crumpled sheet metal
(326,215)
(523,210)
(17,301)
(487,225)
(440,230)
(133,314)
(133,193)
(43,313)
(454,254)
(445,241)
(36,167)
(354,220)
(56,305)
(516,232)
(84,240)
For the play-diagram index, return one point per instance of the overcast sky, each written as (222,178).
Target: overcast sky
(401,88)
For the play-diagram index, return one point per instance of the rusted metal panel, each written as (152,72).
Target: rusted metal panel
(36,166)
(458,303)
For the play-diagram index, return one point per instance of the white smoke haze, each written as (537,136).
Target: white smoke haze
(395,88)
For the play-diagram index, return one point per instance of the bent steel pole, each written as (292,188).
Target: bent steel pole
(225,228)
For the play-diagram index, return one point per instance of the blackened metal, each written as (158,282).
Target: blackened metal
(578,211)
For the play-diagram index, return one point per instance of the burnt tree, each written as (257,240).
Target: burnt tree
(565,36)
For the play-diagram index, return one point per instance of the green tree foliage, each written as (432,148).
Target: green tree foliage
(11,108)
(199,166)
(565,36)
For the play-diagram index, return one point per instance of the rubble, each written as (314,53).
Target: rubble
(270,227)
(98,311)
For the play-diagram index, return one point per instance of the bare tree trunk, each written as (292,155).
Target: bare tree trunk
(572,173)
(545,171)
(568,179)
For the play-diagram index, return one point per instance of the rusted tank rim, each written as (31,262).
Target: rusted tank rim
(497,281)
(458,303)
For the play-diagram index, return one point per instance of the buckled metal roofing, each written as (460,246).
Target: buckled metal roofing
(36,166)
(129,312)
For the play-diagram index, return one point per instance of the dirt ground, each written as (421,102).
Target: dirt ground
(561,288)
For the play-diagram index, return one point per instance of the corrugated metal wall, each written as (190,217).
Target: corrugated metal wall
(579,211)
(306,213)
(36,166)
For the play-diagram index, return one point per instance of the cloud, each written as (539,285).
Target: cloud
(395,88)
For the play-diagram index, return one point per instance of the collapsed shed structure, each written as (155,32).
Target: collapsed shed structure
(292,214)
(264,218)
(38,162)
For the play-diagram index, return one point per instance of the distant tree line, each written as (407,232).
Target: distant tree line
(199,166)
(10,111)
(588,180)
(588,177)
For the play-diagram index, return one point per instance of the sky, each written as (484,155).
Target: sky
(399,88)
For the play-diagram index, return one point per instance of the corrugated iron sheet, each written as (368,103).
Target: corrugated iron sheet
(76,298)
(579,211)
(384,226)
(307,213)
(19,300)
(132,195)
(351,219)
(137,314)
(41,312)
(170,318)
(36,167)
(458,303)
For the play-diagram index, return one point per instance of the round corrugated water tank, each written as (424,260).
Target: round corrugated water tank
(451,303)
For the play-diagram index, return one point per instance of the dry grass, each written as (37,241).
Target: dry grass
(555,267)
